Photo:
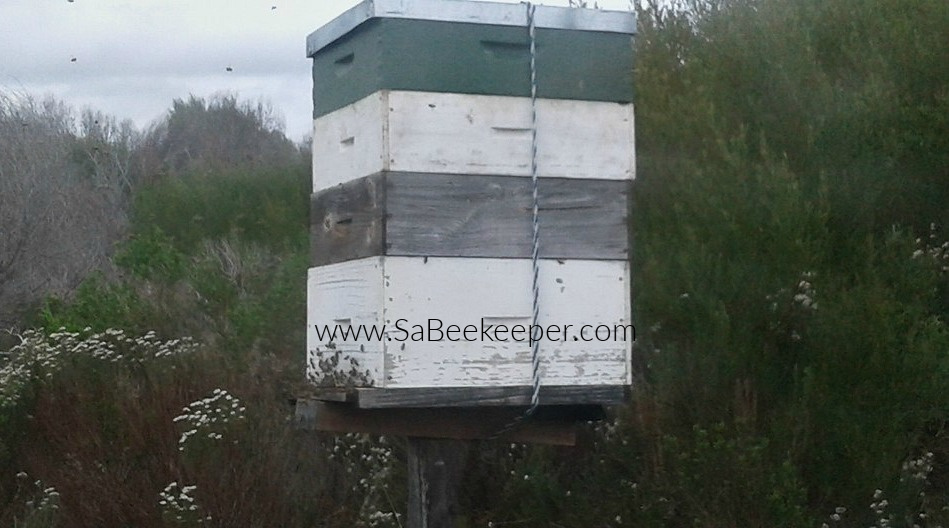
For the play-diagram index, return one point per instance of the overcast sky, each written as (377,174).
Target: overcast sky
(133,57)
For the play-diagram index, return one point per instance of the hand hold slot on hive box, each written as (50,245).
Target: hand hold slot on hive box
(400,131)
(523,132)
(452,215)
(506,50)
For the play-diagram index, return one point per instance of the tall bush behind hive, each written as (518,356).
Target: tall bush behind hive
(791,153)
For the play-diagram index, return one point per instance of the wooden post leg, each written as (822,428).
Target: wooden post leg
(435,468)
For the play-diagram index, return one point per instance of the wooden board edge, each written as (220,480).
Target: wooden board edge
(331,394)
(451,397)
(557,428)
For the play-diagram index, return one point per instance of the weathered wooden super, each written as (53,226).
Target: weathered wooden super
(455,215)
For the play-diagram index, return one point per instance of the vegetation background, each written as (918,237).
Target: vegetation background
(791,290)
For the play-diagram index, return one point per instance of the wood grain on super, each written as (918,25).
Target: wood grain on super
(347,221)
(414,214)
(472,134)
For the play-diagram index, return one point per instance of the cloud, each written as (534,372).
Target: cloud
(133,57)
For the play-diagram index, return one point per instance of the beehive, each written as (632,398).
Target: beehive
(421,213)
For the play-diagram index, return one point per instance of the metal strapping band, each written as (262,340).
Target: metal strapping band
(535,239)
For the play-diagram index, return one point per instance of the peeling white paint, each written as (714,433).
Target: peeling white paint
(463,291)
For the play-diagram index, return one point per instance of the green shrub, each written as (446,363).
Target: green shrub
(151,254)
(265,206)
(97,304)
(791,162)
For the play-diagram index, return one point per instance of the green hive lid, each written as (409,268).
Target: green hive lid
(467,11)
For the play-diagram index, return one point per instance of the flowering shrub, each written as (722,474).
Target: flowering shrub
(178,505)
(931,250)
(370,462)
(39,356)
(209,417)
(41,503)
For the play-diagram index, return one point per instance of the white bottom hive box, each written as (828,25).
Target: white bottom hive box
(404,309)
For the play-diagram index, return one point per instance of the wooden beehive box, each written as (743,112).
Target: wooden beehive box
(421,210)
